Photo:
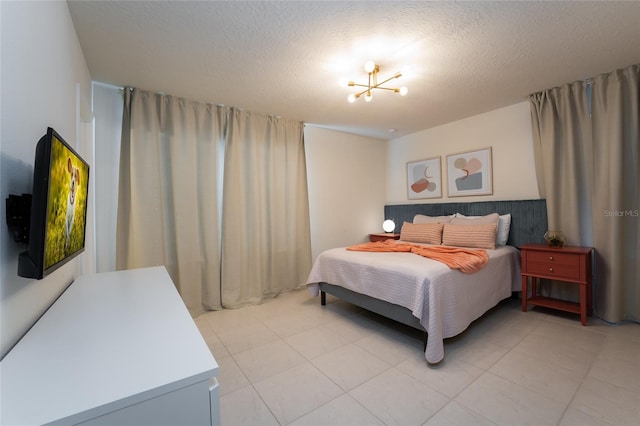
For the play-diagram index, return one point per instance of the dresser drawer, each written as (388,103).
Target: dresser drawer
(552,258)
(553,270)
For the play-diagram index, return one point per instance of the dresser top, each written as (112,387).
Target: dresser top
(109,341)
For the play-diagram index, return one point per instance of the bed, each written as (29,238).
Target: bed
(424,293)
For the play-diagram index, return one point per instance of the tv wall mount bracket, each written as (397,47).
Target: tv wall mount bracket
(18,211)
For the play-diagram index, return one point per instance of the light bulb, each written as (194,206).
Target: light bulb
(403,90)
(369,66)
(351,98)
(368,96)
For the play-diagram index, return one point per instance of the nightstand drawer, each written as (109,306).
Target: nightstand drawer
(554,270)
(554,258)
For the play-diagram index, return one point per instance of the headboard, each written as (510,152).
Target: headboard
(528,217)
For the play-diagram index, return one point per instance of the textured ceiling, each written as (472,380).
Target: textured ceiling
(287,58)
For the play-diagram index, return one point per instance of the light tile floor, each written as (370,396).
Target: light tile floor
(292,361)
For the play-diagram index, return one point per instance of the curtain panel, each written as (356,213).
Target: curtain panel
(168,192)
(266,238)
(563,156)
(588,168)
(615,107)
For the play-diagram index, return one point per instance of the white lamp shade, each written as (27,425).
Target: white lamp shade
(388,225)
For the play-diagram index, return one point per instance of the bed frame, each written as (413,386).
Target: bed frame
(528,225)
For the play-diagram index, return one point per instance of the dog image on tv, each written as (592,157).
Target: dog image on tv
(67,204)
(71,199)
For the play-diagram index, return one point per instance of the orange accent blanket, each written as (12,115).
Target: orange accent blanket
(463,259)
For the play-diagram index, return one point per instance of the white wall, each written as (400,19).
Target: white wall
(347,180)
(42,64)
(507,131)
(107,108)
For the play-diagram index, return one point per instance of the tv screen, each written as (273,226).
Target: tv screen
(58,207)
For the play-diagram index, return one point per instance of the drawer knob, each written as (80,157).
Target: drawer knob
(550,257)
(550,269)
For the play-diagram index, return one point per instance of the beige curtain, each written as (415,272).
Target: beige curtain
(616,206)
(266,244)
(168,194)
(588,170)
(563,157)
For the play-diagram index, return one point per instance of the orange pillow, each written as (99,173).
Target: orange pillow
(430,233)
(473,236)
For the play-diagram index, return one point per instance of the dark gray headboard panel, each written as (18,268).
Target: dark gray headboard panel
(528,217)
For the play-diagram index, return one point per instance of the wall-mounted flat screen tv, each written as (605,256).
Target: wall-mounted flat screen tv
(58,207)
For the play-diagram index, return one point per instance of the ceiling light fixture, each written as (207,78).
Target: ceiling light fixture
(373,69)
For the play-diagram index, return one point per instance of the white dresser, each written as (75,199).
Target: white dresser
(118,348)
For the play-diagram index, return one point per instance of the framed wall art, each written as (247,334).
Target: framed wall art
(424,179)
(470,173)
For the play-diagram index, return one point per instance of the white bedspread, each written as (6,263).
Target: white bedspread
(445,301)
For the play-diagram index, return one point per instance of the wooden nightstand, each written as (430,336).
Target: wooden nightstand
(384,236)
(568,264)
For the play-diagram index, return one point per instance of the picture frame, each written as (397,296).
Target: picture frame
(424,179)
(470,173)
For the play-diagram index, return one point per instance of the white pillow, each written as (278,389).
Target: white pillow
(504,225)
(421,218)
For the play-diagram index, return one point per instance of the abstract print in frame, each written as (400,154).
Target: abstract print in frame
(470,173)
(424,179)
